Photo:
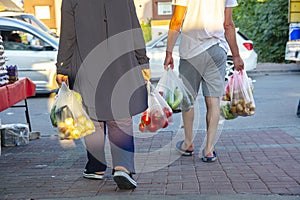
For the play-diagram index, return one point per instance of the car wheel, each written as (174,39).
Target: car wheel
(229,68)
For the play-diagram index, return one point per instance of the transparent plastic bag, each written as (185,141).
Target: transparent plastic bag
(225,102)
(68,115)
(158,115)
(225,110)
(173,90)
(15,134)
(241,94)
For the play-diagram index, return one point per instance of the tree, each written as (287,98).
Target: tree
(266,24)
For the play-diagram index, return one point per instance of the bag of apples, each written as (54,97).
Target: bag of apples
(68,115)
(158,115)
(241,94)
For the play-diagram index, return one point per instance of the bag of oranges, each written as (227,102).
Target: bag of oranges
(68,115)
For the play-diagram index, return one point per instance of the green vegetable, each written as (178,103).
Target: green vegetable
(178,96)
(226,112)
(53,117)
(170,98)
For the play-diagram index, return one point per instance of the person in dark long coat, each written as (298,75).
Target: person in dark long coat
(102,56)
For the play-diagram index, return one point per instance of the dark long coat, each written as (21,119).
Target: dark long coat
(102,50)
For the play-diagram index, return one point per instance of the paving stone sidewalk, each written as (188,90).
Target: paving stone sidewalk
(251,162)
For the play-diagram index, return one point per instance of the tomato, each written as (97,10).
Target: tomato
(141,127)
(156,117)
(152,127)
(145,119)
(165,123)
(167,112)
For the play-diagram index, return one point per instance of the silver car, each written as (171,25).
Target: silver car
(32,50)
(156,51)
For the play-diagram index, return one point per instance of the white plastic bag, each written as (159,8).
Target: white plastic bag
(158,115)
(173,90)
(69,116)
(241,94)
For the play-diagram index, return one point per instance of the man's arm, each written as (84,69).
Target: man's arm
(174,30)
(230,35)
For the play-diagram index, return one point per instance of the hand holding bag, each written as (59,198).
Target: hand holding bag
(173,90)
(68,115)
(241,94)
(158,115)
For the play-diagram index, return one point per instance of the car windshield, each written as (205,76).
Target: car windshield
(37,23)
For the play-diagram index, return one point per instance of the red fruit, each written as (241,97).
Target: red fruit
(156,117)
(167,112)
(145,119)
(165,123)
(152,127)
(141,127)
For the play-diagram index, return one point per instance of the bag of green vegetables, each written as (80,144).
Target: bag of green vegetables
(173,90)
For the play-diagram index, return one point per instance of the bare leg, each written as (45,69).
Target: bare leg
(188,119)
(212,120)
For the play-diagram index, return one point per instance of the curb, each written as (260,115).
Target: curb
(266,68)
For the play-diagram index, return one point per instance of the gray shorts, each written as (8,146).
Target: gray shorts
(207,68)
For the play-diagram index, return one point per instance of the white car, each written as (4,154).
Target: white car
(156,51)
(32,50)
(29,18)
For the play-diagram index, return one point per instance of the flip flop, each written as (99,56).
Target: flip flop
(181,151)
(209,159)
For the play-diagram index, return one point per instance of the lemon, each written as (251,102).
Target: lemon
(61,125)
(80,128)
(69,121)
(75,134)
(89,125)
(81,119)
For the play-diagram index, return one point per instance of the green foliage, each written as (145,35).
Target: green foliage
(146,28)
(266,24)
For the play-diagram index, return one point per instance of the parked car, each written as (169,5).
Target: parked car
(32,50)
(29,18)
(156,52)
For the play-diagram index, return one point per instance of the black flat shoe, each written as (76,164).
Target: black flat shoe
(93,175)
(124,180)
